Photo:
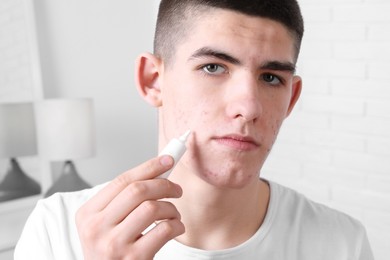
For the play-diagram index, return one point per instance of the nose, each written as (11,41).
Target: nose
(243,100)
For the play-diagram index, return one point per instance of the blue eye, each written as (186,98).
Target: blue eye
(213,69)
(271,79)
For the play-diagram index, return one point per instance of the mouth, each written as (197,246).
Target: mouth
(238,142)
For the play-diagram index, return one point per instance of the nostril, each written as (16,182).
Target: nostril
(248,110)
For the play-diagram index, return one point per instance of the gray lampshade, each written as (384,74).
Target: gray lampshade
(17,130)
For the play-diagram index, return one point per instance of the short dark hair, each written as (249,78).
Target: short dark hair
(173,16)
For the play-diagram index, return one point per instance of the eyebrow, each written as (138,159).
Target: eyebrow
(209,52)
(280,66)
(268,65)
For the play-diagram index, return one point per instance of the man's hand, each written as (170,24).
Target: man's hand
(111,223)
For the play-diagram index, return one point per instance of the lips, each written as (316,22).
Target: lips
(237,142)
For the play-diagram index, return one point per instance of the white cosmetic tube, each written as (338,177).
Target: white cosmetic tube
(175,148)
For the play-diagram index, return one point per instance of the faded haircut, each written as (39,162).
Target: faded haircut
(176,18)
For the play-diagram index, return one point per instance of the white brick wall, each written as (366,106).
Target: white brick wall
(16,80)
(335,147)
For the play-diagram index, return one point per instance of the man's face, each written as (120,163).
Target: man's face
(231,83)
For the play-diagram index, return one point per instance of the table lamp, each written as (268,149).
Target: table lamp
(17,139)
(67,133)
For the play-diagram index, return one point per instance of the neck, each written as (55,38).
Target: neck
(219,218)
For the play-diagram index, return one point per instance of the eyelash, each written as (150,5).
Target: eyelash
(203,69)
(279,79)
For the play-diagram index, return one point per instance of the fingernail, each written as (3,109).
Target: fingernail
(166,160)
(179,190)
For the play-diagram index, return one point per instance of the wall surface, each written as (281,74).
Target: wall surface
(335,146)
(16,82)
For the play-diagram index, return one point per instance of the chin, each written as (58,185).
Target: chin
(230,180)
(235,170)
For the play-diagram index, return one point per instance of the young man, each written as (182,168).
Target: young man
(224,70)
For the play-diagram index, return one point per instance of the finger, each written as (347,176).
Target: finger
(131,228)
(147,170)
(138,192)
(157,237)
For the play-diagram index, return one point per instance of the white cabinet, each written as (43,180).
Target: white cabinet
(13,215)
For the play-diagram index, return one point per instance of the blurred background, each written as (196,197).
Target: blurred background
(334,147)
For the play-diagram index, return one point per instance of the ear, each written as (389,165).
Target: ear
(295,93)
(147,73)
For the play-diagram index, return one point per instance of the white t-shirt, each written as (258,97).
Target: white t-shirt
(294,228)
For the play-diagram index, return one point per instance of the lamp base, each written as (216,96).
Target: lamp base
(16,184)
(68,181)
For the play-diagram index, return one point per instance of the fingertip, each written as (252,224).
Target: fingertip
(179,190)
(166,160)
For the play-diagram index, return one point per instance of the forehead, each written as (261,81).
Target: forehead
(242,35)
